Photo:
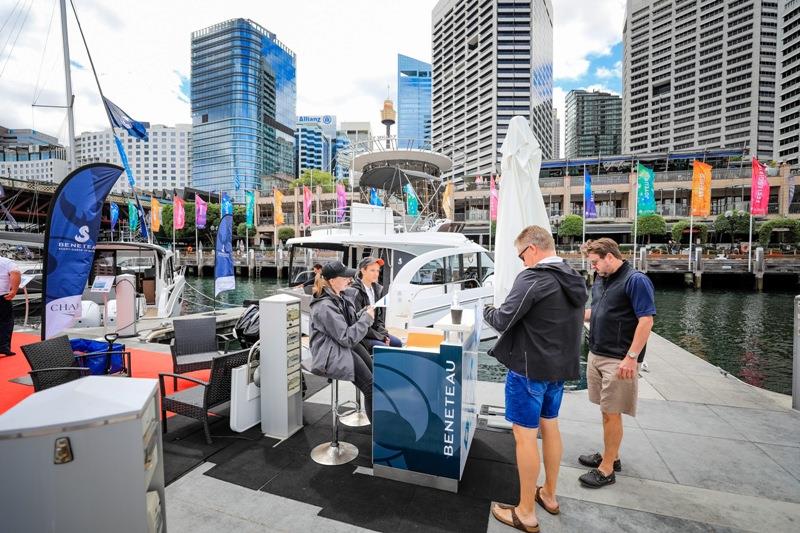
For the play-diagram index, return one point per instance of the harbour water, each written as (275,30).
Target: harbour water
(745,333)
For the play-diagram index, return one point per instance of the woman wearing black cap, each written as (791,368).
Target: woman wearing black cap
(336,332)
(364,291)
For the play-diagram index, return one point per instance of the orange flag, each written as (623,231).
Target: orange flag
(155,215)
(701,189)
(278,201)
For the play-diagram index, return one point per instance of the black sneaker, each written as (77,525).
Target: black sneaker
(594,460)
(594,479)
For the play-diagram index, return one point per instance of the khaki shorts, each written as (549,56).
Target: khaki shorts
(612,394)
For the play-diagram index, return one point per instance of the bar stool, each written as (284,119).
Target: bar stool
(358,418)
(335,452)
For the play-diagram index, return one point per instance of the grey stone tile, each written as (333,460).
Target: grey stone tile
(183,516)
(577,515)
(639,458)
(576,406)
(787,457)
(683,417)
(733,466)
(760,425)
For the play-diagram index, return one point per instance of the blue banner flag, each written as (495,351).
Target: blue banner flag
(73,224)
(589,208)
(412,203)
(224,279)
(120,119)
(124,157)
(227,205)
(114,215)
(250,208)
(374,199)
(646,190)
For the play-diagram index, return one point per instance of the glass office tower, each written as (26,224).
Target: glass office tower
(244,96)
(413,102)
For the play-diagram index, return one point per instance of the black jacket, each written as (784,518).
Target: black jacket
(356,296)
(541,323)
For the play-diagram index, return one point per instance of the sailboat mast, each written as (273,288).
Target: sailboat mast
(68,87)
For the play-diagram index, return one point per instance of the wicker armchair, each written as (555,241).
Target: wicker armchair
(195,402)
(53,362)
(195,345)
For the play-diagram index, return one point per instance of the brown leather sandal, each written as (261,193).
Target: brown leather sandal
(515,521)
(540,501)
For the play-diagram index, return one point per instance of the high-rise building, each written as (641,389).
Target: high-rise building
(341,168)
(699,75)
(491,61)
(244,96)
(314,141)
(593,124)
(161,162)
(31,155)
(356,132)
(25,137)
(413,102)
(556,135)
(787,114)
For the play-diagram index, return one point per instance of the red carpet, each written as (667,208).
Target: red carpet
(145,365)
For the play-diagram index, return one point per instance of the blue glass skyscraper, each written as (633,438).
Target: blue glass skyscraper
(244,96)
(413,102)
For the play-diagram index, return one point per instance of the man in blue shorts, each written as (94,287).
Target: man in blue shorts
(540,325)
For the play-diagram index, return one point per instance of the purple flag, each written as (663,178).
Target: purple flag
(589,209)
(200,208)
(341,202)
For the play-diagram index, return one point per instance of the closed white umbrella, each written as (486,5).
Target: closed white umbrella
(521,203)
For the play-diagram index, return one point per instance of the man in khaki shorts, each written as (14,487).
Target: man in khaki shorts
(621,318)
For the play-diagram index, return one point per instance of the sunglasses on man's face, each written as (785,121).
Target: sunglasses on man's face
(523,253)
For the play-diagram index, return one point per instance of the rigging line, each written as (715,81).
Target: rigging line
(44,52)
(14,44)
(10,16)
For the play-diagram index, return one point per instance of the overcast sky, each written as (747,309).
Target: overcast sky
(346,54)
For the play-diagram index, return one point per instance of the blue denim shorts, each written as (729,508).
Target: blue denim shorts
(528,400)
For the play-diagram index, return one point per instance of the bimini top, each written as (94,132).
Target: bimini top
(413,242)
(393,179)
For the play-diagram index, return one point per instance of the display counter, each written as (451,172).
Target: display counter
(424,409)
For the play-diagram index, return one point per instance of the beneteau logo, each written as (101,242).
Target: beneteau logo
(83,234)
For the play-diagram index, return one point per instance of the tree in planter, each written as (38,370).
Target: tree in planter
(571,227)
(679,227)
(285,233)
(765,230)
(733,223)
(653,224)
(314,178)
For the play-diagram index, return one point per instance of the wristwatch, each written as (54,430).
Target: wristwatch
(633,355)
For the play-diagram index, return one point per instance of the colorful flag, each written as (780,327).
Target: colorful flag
(589,207)
(178,213)
(120,119)
(114,215)
(759,189)
(790,191)
(200,209)
(155,215)
(701,189)
(133,216)
(492,199)
(226,205)
(250,208)
(224,279)
(278,205)
(447,200)
(307,198)
(374,199)
(646,199)
(412,203)
(341,202)
(73,224)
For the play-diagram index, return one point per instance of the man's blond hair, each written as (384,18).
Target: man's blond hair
(602,247)
(536,236)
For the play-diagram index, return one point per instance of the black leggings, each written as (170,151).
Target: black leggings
(362,366)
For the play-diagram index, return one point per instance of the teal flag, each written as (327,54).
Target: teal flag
(412,203)
(133,216)
(646,203)
(250,208)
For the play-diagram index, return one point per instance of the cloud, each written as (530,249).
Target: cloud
(77,65)
(584,29)
(606,73)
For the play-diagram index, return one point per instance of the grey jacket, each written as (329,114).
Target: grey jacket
(335,330)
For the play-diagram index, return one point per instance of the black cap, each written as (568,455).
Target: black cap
(335,269)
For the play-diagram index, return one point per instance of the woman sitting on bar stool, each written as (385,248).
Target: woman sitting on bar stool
(336,334)
(364,291)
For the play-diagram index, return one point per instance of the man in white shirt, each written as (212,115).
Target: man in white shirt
(9,284)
